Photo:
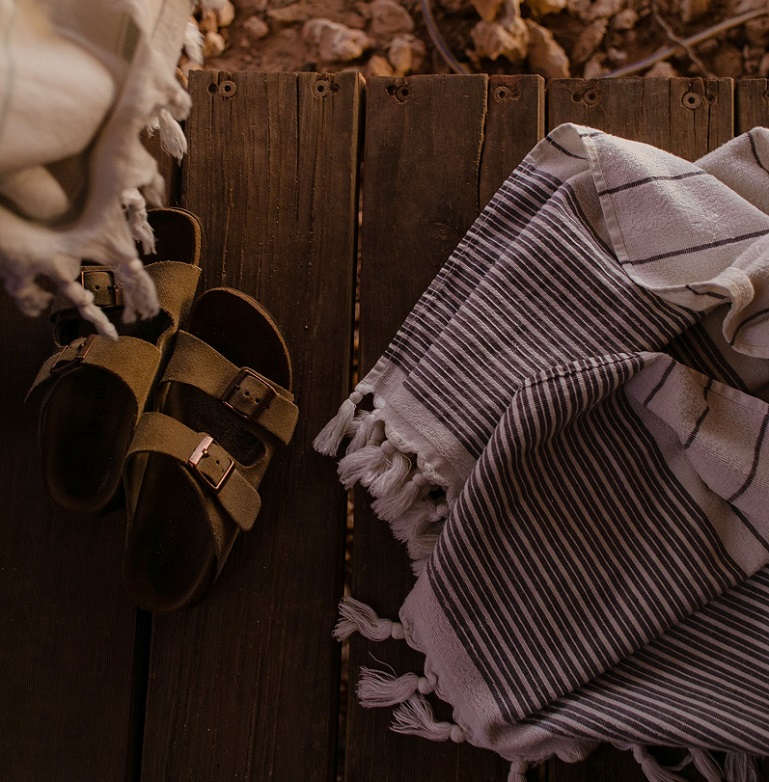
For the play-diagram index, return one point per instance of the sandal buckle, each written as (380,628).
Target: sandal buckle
(73,354)
(102,284)
(248,395)
(201,454)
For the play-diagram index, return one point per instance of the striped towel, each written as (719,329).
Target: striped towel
(569,434)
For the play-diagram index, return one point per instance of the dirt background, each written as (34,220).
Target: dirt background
(555,38)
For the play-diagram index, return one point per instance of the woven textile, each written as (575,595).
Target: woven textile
(569,433)
(79,81)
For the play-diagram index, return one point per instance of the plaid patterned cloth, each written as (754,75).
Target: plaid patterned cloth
(569,433)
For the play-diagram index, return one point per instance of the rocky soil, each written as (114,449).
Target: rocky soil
(555,38)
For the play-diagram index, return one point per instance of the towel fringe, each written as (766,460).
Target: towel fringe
(379,688)
(365,431)
(415,717)
(355,616)
(705,763)
(391,506)
(741,767)
(518,769)
(363,466)
(394,476)
(172,138)
(653,770)
(340,426)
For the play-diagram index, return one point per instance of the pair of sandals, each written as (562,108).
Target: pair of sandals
(183,423)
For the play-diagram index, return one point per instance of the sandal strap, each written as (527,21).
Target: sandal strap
(175,283)
(132,360)
(243,390)
(217,472)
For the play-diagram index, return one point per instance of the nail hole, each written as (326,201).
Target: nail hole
(590,97)
(692,100)
(212,88)
(227,88)
(391,88)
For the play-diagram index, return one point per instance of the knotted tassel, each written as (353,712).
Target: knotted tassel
(363,466)
(741,767)
(379,688)
(365,430)
(136,214)
(518,769)
(415,717)
(391,480)
(172,138)
(330,437)
(652,769)
(357,617)
(397,503)
(705,763)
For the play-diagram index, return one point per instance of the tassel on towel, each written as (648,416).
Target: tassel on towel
(355,616)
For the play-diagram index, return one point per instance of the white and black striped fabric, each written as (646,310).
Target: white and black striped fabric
(570,433)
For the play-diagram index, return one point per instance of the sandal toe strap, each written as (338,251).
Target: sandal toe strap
(254,397)
(216,471)
(134,361)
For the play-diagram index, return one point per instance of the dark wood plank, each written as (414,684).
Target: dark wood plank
(689,117)
(515,122)
(245,685)
(423,187)
(66,655)
(752,98)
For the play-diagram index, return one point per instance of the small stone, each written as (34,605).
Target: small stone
(542,8)
(546,55)
(691,10)
(757,32)
(625,20)
(388,18)
(256,28)
(763,68)
(226,14)
(728,62)
(334,41)
(589,40)
(661,70)
(213,45)
(594,67)
(604,9)
(289,14)
(616,57)
(579,8)
(208,23)
(487,9)
(406,54)
(379,66)
(492,40)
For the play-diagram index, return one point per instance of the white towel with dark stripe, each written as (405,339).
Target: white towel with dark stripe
(569,432)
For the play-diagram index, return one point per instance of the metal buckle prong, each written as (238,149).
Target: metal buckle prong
(62,362)
(201,452)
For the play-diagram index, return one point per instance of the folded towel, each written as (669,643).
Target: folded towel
(79,81)
(569,433)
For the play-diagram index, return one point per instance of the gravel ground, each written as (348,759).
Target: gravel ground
(555,38)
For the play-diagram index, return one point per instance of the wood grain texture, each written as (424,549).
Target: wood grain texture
(752,99)
(688,117)
(245,685)
(66,628)
(422,180)
(515,122)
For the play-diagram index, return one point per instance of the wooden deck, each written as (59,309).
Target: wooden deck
(246,686)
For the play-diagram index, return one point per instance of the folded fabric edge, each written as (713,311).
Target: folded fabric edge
(413,715)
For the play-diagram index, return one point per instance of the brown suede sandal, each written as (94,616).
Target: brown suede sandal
(193,470)
(95,389)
